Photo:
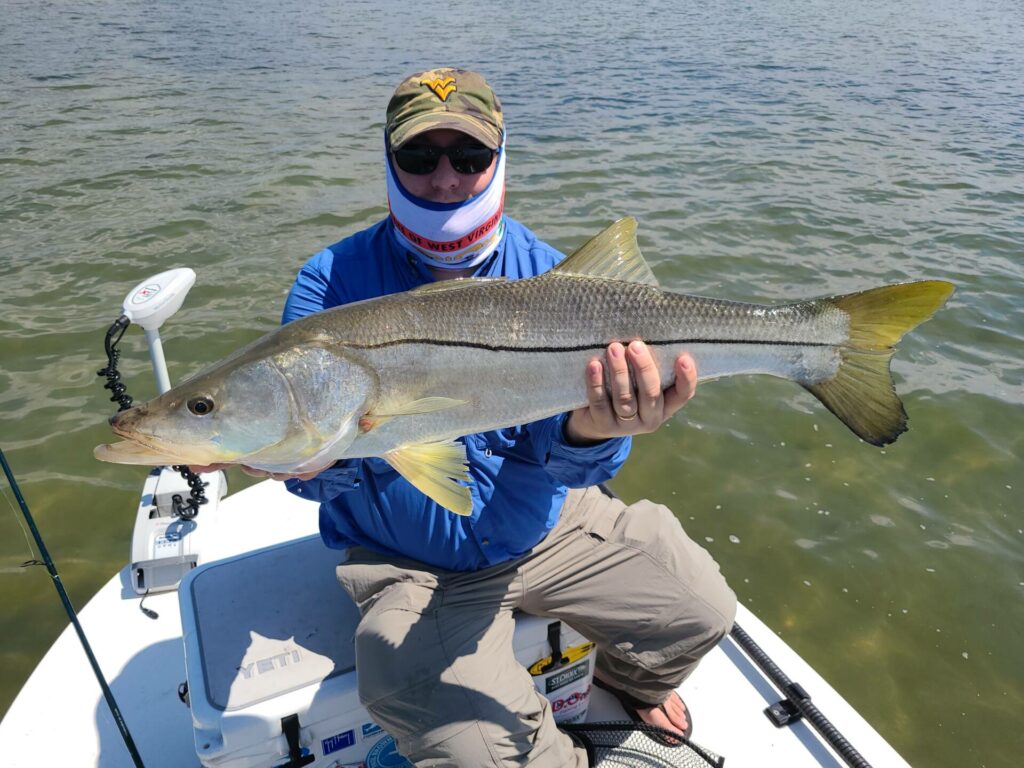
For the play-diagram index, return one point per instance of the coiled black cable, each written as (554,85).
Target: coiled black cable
(119,395)
(117,388)
(196,495)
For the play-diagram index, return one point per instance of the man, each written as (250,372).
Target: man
(437,591)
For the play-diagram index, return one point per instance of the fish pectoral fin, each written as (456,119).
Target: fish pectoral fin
(417,407)
(373,419)
(127,452)
(434,469)
(613,254)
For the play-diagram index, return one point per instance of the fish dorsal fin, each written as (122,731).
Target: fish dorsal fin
(613,254)
(457,283)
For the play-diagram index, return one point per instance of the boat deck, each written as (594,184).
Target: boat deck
(60,717)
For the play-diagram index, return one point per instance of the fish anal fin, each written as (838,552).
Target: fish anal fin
(434,469)
(863,396)
(613,254)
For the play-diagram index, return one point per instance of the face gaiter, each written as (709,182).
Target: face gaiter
(449,235)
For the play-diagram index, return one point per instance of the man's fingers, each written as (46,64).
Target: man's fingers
(648,382)
(201,468)
(597,394)
(680,393)
(621,385)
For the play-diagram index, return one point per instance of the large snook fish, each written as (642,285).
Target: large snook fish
(402,376)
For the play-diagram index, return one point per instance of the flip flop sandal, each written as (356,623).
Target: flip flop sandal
(631,704)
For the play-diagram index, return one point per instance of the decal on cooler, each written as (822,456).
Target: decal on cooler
(384,754)
(369,729)
(566,676)
(338,741)
(570,655)
(573,699)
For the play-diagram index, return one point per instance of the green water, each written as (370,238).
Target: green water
(771,151)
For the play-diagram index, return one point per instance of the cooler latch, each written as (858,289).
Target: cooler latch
(555,643)
(290,728)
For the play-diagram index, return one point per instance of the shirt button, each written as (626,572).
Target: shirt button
(486,542)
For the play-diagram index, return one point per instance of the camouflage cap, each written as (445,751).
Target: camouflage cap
(445,98)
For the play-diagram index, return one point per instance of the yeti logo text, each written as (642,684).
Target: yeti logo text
(269,664)
(442,88)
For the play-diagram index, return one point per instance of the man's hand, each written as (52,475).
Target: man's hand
(253,472)
(629,405)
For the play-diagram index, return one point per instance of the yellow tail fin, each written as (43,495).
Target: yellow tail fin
(862,393)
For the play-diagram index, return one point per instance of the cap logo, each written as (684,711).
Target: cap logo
(441,88)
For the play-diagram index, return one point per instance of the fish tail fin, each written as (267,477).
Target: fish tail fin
(862,393)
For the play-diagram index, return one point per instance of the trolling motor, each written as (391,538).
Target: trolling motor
(162,550)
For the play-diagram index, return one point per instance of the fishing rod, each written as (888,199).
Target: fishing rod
(797,703)
(70,610)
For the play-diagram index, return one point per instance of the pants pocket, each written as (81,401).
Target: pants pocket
(599,514)
(368,580)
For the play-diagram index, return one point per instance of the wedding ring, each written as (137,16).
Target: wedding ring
(625,418)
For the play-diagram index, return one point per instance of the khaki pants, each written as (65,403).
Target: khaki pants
(434,647)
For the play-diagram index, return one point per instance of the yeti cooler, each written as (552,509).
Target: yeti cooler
(270,663)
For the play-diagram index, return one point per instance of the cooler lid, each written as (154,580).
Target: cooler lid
(268,622)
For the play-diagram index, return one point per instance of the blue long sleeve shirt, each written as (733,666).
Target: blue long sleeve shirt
(520,474)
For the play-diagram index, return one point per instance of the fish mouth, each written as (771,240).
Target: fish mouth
(138,448)
(131,452)
(132,436)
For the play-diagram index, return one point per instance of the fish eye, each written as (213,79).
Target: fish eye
(200,406)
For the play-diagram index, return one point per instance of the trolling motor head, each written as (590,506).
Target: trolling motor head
(150,303)
(156,298)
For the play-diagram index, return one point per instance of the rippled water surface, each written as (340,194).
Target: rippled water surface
(771,151)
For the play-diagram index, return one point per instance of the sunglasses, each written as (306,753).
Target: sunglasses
(420,159)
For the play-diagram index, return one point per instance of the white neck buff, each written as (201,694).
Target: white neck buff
(449,235)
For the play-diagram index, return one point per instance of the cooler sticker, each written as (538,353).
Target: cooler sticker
(338,741)
(370,728)
(573,699)
(385,755)
(566,676)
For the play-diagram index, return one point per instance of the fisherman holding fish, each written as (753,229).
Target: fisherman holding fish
(436,590)
(456,432)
